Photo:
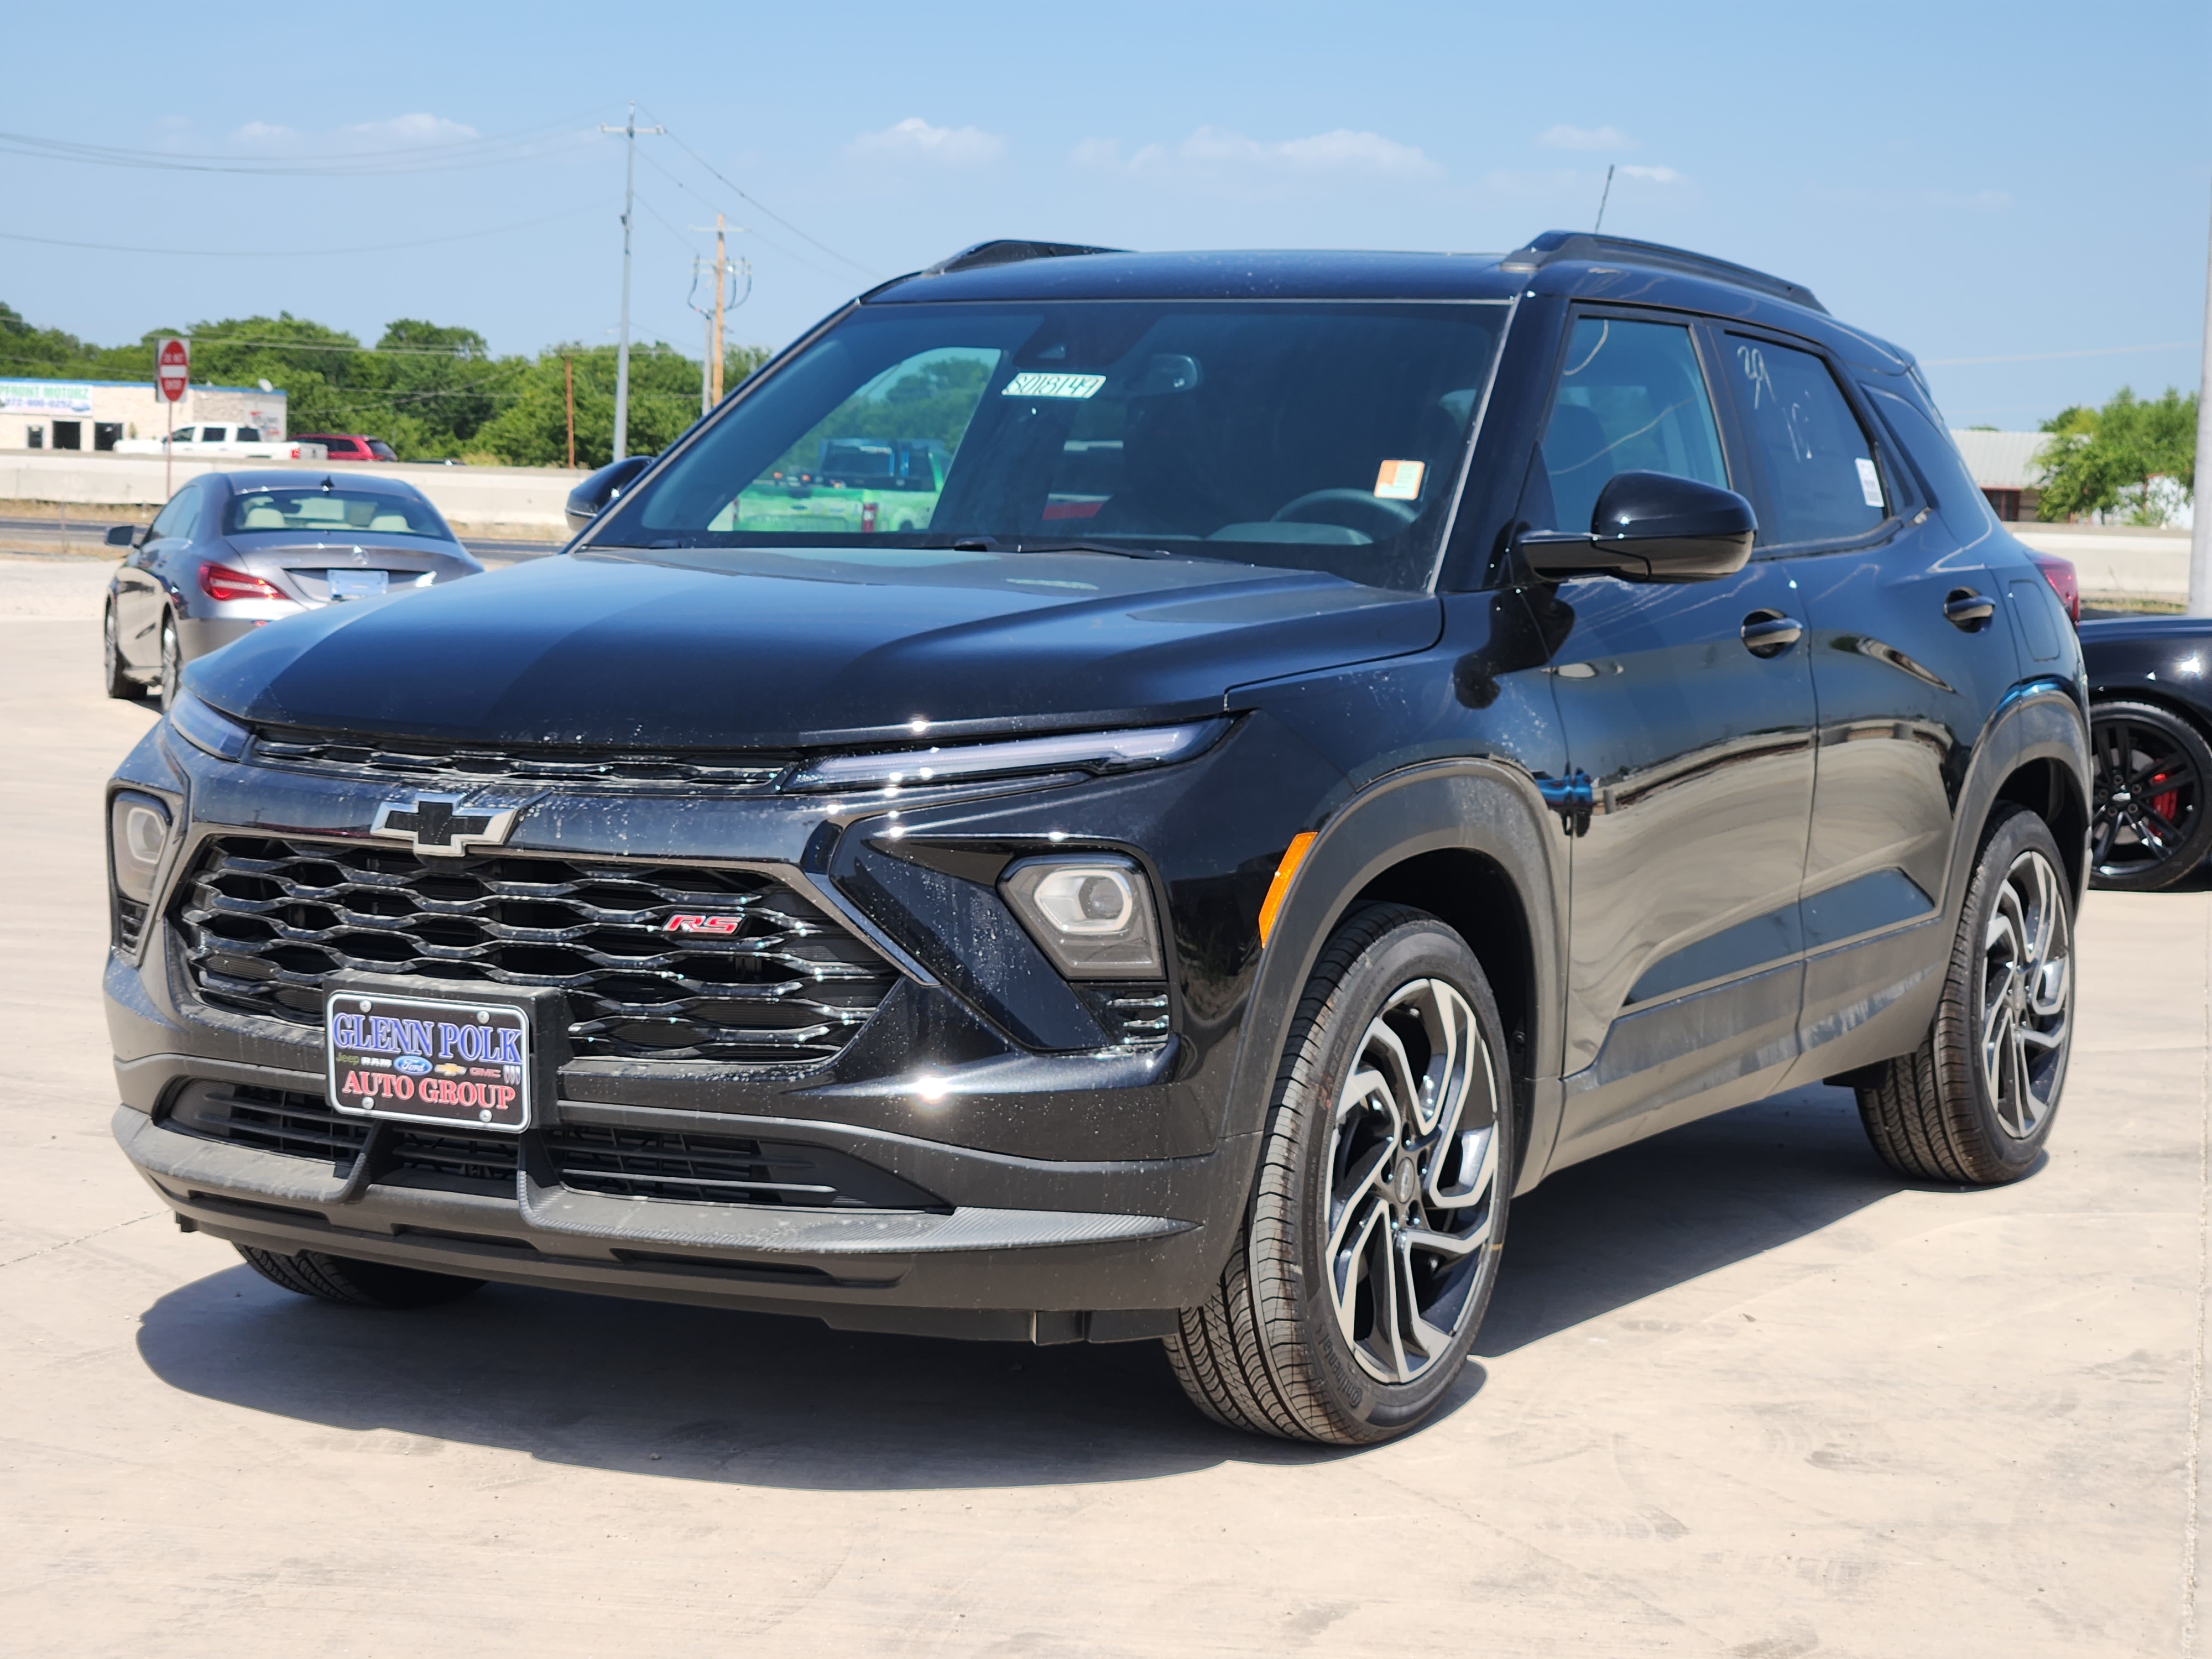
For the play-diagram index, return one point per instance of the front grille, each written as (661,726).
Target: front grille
(463,765)
(265,921)
(269,1121)
(721,1170)
(615,1163)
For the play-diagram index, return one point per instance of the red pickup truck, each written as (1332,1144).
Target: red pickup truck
(351,447)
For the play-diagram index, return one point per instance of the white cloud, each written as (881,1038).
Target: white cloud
(1219,153)
(420,128)
(915,138)
(1567,137)
(1656,175)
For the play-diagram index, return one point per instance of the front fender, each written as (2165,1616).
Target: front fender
(1477,806)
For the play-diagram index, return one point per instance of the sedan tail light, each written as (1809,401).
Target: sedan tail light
(219,581)
(2059,573)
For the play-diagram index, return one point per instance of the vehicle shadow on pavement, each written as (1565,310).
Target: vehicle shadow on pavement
(1601,1234)
(703,1394)
(699,1393)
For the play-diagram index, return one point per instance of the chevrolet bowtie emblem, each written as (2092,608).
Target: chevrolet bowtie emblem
(435,826)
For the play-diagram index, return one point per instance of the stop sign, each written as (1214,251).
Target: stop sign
(173,360)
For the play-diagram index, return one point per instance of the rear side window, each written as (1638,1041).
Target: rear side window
(1632,398)
(176,519)
(1821,481)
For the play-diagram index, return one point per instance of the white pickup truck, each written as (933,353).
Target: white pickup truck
(214,440)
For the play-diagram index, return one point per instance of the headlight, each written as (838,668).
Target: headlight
(204,727)
(1093,916)
(137,832)
(1081,751)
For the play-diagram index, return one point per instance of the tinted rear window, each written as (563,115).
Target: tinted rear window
(316,512)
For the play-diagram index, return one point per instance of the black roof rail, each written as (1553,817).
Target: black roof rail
(1586,245)
(1008,252)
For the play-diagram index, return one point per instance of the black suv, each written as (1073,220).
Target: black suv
(1356,733)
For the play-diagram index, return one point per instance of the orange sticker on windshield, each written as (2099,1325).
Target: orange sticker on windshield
(1399,481)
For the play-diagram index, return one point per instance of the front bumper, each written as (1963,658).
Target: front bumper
(1078,1193)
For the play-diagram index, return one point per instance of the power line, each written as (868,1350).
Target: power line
(413,158)
(709,201)
(291,253)
(742,196)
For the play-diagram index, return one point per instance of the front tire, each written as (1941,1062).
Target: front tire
(1974,1103)
(357,1283)
(1371,1246)
(172,662)
(112,672)
(2150,827)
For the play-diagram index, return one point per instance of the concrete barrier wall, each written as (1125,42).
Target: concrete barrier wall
(523,501)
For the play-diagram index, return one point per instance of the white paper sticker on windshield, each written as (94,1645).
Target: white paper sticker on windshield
(1054,386)
(1399,481)
(1869,483)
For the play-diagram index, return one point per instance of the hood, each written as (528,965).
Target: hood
(754,648)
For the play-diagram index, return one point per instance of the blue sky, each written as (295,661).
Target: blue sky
(1973,182)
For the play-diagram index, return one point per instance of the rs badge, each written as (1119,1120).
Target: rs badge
(695,924)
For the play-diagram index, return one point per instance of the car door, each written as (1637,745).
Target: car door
(138,592)
(1687,714)
(1909,651)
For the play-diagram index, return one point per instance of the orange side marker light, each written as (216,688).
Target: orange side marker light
(1280,889)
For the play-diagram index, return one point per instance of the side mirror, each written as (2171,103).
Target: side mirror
(1650,527)
(590,498)
(124,535)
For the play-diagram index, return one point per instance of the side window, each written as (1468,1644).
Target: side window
(1821,481)
(176,519)
(1632,398)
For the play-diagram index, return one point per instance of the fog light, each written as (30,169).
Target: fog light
(1093,917)
(138,831)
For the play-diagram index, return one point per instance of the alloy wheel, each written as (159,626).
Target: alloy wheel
(2027,1025)
(2148,797)
(1410,1182)
(172,667)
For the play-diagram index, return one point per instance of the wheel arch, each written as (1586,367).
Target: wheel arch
(1471,843)
(2034,752)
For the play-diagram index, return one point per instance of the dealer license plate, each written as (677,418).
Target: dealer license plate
(429,1060)
(359,584)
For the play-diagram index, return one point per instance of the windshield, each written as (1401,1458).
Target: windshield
(1312,434)
(340,513)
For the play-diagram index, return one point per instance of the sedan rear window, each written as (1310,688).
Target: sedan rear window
(319,512)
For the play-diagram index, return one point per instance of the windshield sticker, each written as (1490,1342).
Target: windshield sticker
(1054,386)
(1399,481)
(1869,483)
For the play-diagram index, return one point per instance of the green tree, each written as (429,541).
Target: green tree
(2102,460)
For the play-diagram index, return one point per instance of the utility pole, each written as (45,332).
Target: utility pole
(721,269)
(568,382)
(2200,536)
(629,129)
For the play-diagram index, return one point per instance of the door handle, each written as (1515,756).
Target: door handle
(1967,610)
(1769,632)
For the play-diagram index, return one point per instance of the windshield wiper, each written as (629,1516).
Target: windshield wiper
(1095,547)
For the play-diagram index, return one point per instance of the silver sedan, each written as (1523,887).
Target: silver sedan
(234,551)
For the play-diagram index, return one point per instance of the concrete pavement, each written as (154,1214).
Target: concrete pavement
(1741,1393)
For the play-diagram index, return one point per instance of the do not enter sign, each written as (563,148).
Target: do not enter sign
(172,362)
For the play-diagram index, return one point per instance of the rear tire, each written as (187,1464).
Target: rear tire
(357,1283)
(1369,1249)
(2152,825)
(117,678)
(1973,1105)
